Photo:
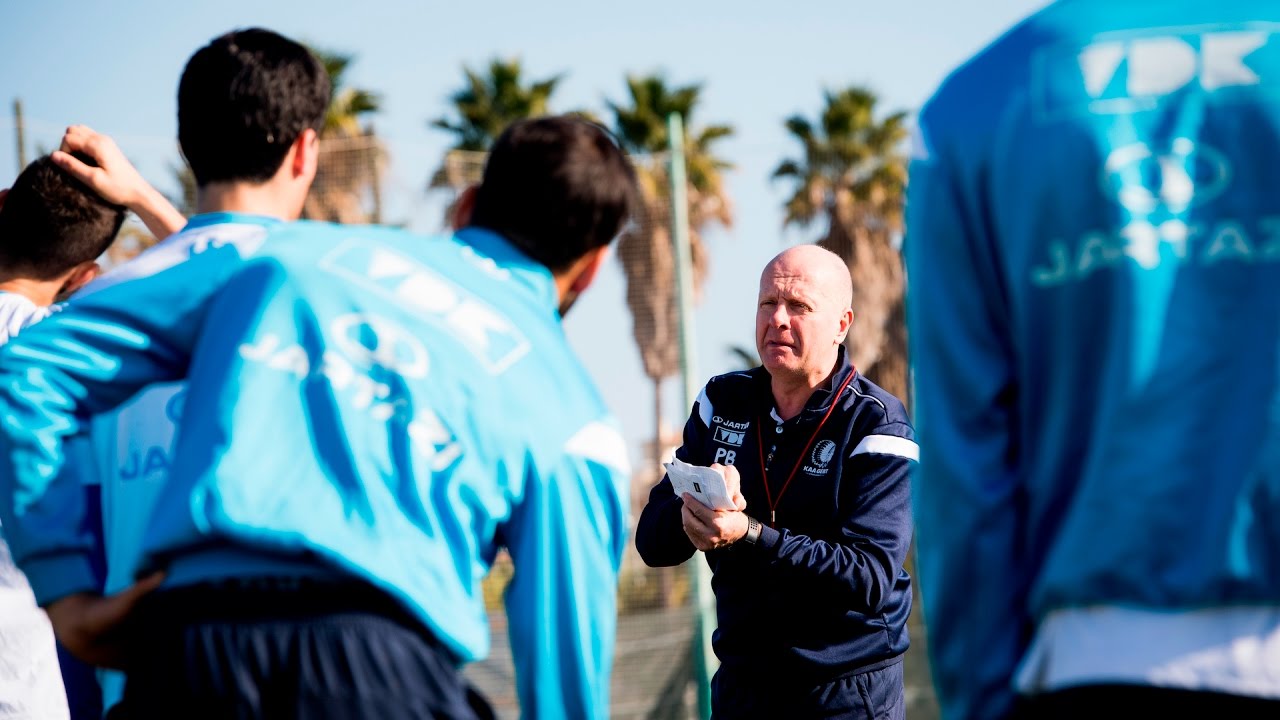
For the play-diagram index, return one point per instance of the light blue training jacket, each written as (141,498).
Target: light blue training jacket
(399,407)
(1093,251)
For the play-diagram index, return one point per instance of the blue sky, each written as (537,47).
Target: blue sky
(115,66)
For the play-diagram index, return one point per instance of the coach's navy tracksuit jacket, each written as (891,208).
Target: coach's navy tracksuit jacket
(823,594)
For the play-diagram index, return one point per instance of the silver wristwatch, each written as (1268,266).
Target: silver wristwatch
(753,531)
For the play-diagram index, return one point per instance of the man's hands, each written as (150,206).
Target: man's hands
(712,529)
(89,625)
(116,180)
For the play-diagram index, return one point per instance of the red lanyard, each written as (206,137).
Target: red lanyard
(764,472)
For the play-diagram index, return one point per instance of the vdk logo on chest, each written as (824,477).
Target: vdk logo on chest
(729,434)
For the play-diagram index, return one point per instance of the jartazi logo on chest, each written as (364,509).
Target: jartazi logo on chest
(729,432)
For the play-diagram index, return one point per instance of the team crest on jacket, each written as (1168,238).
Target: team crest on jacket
(729,432)
(821,456)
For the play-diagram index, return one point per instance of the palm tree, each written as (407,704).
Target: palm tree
(350,154)
(484,107)
(648,259)
(645,248)
(347,104)
(852,174)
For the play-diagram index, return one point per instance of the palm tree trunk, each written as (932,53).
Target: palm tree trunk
(892,370)
(877,342)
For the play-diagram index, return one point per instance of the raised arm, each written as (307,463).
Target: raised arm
(116,180)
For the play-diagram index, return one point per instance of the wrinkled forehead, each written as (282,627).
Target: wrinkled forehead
(808,279)
(776,279)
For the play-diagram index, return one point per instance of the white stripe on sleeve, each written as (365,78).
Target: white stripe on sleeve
(602,443)
(704,407)
(888,445)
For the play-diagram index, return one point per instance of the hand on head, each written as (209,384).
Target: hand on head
(115,178)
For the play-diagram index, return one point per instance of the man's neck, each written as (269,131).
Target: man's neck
(792,392)
(40,292)
(250,199)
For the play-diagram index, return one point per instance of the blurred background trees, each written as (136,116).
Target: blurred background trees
(851,175)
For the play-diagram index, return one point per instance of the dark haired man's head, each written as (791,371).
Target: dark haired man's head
(51,223)
(243,101)
(556,187)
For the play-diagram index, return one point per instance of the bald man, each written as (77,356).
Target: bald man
(811,597)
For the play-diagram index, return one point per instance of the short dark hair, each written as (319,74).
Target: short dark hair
(52,222)
(242,102)
(556,187)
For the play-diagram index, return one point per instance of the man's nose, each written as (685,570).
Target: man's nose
(780,317)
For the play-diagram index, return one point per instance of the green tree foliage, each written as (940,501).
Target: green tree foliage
(490,101)
(852,173)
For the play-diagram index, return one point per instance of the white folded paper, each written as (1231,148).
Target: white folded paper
(706,485)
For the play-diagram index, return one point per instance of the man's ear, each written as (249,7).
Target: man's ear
(460,214)
(304,156)
(591,263)
(579,277)
(80,275)
(846,322)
